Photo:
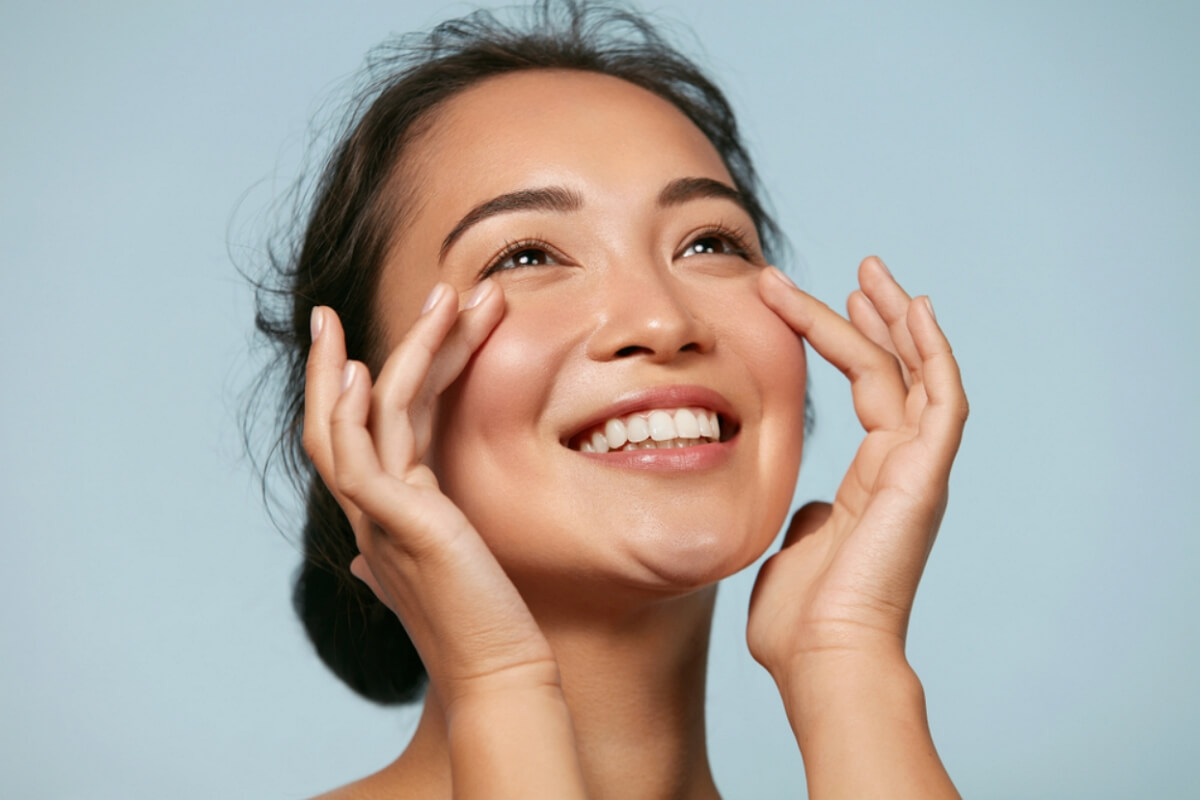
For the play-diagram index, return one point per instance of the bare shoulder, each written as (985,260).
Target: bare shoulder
(399,779)
(365,789)
(368,788)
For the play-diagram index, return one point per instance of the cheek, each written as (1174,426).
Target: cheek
(773,357)
(771,352)
(492,410)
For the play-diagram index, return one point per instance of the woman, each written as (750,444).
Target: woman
(552,393)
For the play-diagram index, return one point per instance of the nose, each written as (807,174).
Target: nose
(646,313)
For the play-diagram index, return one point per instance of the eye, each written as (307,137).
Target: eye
(525,253)
(718,242)
(706,245)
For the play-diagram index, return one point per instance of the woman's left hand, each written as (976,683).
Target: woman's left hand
(829,612)
(844,581)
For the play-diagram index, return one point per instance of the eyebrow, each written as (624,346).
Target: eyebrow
(562,200)
(684,190)
(546,198)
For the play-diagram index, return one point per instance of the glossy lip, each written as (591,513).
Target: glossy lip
(697,457)
(662,397)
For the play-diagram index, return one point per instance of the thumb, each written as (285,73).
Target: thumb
(810,517)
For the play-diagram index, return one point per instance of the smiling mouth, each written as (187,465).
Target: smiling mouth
(657,429)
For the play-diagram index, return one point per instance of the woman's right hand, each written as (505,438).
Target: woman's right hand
(418,552)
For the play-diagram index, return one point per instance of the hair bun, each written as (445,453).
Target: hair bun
(356,635)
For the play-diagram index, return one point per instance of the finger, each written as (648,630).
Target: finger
(431,356)
(876,382)
(892,303)
(866,318)
(402,376)
(483,309)
(361,570)
(357,472)
(945,413)
(322,387)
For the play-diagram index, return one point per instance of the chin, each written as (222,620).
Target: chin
(674,560)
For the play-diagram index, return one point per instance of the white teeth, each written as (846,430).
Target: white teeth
(658,429)
(636,429)
(614,431)
(686,424)
(662,427)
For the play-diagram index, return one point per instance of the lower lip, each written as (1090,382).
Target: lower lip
(676,459)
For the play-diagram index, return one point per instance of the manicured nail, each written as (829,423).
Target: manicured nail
(777,273)
(433,298)
(478,294)
(929,307)
(347,376)
(316,322)
(887,271)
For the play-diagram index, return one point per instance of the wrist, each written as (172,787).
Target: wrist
(512,736)
(839,686)
(537,682)
(862,728)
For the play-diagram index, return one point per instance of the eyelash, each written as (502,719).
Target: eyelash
(511,249)
(735,239)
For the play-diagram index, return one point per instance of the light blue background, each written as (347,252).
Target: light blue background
(1033,166)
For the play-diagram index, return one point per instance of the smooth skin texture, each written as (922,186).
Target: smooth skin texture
(560,603)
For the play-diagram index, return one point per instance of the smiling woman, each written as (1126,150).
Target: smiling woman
(549,393)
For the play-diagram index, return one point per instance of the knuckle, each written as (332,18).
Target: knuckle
(963,408)
(353,483)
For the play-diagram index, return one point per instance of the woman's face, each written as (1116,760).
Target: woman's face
(629,270)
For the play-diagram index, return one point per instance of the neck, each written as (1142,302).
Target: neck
(635,686)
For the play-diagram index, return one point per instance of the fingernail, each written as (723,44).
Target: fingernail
(887,271)
(929,307)
(433,298)
(777,273)
(478,294)
(347,376)
(316,322)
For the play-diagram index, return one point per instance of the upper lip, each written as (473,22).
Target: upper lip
(651,398)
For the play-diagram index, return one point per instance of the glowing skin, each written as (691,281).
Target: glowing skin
(626,306)
(636,316)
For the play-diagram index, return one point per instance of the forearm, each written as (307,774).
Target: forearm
(514,742)
(863,731)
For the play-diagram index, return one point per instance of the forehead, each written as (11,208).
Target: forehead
(594,133)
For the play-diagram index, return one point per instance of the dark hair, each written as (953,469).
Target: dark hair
(353,213)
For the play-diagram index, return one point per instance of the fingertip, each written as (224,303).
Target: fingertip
(316,322)
(927,334)
(859,298)
(780,277)
(349,372)
(786,299)
(479,294)
(436,294)
(920,308)
(872,265)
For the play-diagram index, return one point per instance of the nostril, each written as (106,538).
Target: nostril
(636,349)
